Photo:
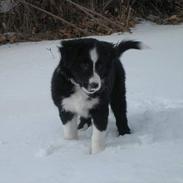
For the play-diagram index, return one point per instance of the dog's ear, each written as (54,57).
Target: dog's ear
(63,66)
(62,52)
(123,46)
(70,50)
(63,55)
(67,54)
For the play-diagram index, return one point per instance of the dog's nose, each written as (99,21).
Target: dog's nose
(94,85)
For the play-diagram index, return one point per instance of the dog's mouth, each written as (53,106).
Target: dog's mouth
(90,89)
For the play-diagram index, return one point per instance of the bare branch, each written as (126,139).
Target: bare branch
(89,14)
(97,14)
(56,17)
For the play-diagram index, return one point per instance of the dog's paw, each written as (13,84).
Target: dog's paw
(125,131)
(96,148)
(70,136)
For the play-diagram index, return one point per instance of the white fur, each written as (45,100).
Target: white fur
(98,140)
(94,55)
(70,129)
(78,102)
(95,77)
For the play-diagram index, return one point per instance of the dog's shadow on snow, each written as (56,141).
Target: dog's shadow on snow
(149,127)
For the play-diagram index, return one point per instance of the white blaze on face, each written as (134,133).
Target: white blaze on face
(95,78)
(93,55)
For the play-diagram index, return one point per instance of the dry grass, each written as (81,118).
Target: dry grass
(87,17)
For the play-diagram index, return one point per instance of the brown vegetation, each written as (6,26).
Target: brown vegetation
(53,19)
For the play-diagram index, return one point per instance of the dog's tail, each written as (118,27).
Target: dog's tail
(123,46)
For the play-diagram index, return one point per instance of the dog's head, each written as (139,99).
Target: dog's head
(87,62)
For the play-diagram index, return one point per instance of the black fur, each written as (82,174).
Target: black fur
(76,65)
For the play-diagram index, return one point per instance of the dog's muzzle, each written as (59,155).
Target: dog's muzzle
(94,85)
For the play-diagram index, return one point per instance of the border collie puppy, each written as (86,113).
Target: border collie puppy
(87,80)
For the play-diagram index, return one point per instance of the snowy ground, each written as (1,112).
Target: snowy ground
(32,149)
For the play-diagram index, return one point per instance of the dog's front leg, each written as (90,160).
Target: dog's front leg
(69,121)
(100,119)
(70,129)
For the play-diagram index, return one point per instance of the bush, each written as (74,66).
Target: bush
(27,22)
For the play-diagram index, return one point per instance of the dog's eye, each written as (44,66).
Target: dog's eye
(99,66)
(84,67)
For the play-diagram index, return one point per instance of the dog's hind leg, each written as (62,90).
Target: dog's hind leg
(84,123)
(118,101)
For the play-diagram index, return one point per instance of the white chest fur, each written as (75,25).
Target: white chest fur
(79,103)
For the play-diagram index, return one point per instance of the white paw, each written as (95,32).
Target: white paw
(70,130)
(96,148)
(97,141)
(70,136)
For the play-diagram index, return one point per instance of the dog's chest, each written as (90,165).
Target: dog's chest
(79,103)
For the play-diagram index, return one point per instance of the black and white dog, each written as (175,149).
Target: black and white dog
(88,78)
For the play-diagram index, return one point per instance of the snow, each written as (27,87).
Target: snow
(32,148)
